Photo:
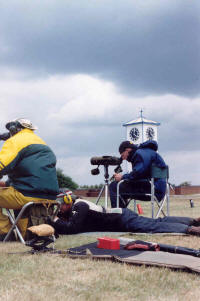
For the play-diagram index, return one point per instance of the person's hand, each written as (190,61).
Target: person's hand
(51,220)
(118,177)
(55,219)
(2,184)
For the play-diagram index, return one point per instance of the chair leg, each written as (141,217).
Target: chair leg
(167,199)
(160,206)
(15,221)
(152,198)
(14,226)
(134,204)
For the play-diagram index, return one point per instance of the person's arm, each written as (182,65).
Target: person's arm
(138,170)
(9,156)
(5,136)
(76,221)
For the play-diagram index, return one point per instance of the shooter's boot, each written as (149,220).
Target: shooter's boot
(196,222)
(193,230)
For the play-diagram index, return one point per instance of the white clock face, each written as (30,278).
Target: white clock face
(150,133)
(134,134)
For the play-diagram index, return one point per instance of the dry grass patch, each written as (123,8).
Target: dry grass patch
(54,277)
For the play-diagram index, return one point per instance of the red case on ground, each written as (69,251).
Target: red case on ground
(108,243)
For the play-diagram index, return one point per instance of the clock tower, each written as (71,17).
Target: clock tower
(141,130)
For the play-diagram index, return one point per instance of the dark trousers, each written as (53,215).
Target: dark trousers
(126,189)
(136,188)
(169,224)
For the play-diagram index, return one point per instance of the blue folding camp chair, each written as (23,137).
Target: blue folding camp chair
(156,173)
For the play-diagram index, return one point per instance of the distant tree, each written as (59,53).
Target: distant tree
(97,186)
(65,181)
(186,183)
(84,186)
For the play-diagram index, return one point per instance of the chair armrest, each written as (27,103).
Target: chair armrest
(118,184)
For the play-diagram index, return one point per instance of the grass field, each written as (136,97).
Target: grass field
(53,277)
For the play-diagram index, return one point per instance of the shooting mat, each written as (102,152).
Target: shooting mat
(147,258)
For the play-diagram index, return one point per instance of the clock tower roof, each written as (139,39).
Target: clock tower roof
(141,120)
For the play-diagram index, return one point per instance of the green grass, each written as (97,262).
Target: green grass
(54,277)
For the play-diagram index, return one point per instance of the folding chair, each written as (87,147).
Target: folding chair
(156,173)
(14,219)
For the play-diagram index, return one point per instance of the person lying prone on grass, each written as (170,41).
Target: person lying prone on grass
(77,215)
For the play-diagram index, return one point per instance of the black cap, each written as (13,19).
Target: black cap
(126,144)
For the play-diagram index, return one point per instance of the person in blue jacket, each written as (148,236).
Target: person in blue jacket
(141,158)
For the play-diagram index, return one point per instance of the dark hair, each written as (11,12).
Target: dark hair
(126,144)
(14,127)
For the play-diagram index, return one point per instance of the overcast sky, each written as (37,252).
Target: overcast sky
(80,69)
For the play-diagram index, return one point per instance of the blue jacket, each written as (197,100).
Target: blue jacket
(141,159)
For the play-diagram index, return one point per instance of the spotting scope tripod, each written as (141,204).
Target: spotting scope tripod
(118,169)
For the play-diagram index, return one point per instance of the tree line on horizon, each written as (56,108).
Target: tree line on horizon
(65,181)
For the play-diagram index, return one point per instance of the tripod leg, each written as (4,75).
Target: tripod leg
(100,194)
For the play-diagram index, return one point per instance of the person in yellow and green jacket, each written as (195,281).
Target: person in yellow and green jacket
(31,169)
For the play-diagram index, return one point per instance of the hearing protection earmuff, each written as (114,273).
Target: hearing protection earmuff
(67,199)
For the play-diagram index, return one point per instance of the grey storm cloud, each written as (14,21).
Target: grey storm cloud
(81,69)
(145,48)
